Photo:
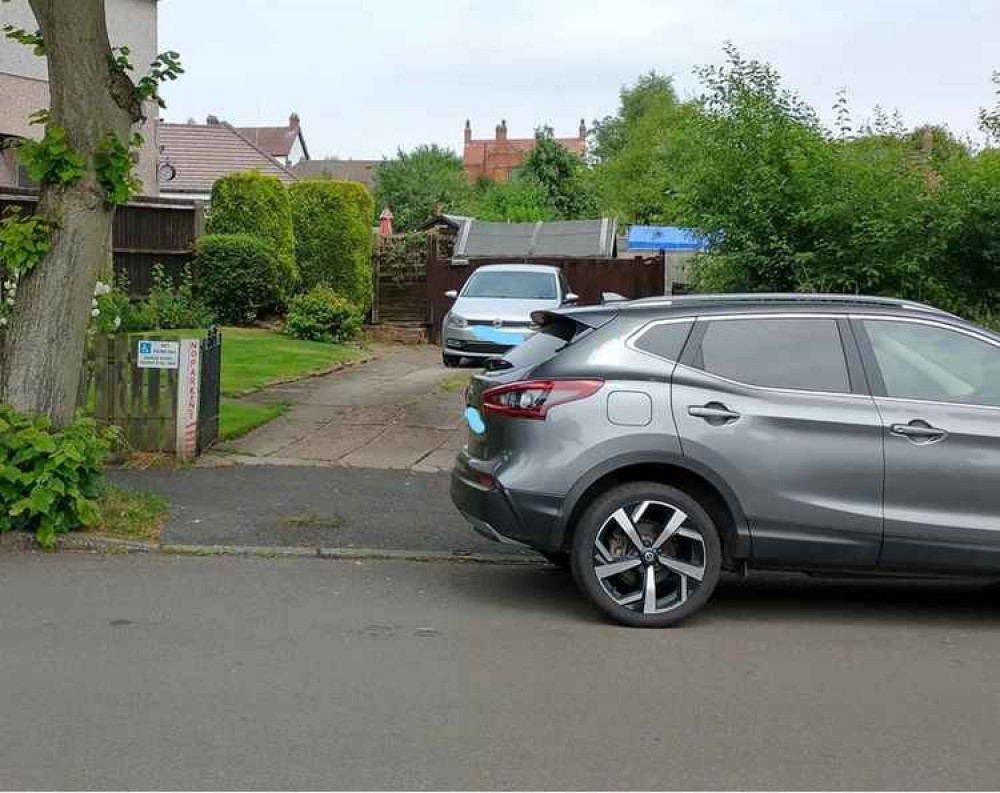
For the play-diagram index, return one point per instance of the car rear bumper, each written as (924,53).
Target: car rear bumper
(503,515)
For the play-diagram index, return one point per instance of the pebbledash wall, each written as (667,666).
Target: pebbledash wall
(24,77)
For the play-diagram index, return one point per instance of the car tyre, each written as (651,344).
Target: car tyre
(450,361)
(613,570)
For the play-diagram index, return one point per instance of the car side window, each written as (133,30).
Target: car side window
(801,353)
(664,339)
(929,362)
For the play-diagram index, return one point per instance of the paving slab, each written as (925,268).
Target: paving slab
(333,441)
(397,447)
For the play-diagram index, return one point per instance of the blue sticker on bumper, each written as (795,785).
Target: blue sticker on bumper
(476,423)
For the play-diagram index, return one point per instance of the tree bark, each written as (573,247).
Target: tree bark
(45,341)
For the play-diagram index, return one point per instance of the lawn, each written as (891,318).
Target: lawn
(253,358)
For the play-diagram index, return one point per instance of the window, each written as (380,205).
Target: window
(519,285)
(933,363)
(804,354)
(665,339)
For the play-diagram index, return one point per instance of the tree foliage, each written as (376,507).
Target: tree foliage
(787,204)
(635,152)
(521,200)
(333,236)
(417,183)
(561,176)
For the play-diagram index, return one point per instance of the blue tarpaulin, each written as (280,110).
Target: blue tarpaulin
(664,238)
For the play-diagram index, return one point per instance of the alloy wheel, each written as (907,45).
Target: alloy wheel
(649,557)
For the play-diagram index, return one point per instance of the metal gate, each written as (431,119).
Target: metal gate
(210,390)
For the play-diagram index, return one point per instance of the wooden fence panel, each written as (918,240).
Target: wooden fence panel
(147,232)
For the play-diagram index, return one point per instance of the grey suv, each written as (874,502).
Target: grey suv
(650,445)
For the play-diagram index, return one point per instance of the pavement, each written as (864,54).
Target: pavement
(271,506)
(391,413)
(161,672)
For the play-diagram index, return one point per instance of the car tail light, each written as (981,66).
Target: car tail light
(532,399)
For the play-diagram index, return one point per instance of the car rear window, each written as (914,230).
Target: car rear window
(539,347)
(664,339)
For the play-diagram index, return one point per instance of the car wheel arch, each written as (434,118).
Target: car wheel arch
(698,481)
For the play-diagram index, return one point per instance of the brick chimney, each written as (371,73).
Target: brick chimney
(212,120)
(468,131)
(502,130)
(293,121)
(583,129)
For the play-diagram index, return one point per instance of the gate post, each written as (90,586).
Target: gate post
(188,392)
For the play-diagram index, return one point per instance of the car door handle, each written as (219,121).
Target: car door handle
(714,413)
(919,431)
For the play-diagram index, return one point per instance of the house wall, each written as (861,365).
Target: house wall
(23,75)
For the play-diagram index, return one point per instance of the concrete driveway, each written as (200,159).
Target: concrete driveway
(402,411)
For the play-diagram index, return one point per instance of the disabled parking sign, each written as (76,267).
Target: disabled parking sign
(158,355)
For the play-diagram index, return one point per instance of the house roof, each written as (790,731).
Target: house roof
(200,154)
(362,171)
(558,238)
(664,238)
(277,141)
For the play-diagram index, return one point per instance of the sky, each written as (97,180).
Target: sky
(368,77)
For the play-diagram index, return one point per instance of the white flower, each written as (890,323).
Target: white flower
(118,322)
(93,303)
(102,289)
(3,322)
(10,301)
(96,312)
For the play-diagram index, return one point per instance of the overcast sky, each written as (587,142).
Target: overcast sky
(369,76)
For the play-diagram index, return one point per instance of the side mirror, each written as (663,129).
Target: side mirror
(571,297)
(451,294)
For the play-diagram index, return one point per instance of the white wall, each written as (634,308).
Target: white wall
(23,75)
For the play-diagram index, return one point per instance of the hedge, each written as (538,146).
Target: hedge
(333,234)
(252,203)
(238,276)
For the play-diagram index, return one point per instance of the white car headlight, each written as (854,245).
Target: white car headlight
(455,321)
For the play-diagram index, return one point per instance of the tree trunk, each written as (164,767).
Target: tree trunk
(45,340)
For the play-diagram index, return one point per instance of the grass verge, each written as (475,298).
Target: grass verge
(130,514)
(237,418)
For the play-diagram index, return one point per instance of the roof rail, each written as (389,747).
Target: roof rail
(787,297)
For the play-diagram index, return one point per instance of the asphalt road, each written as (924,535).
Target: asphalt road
(177,672)
(312,507)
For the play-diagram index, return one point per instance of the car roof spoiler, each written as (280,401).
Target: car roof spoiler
(588,317)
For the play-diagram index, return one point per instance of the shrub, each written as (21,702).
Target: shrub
(333,236)
(238,275)
(323,315)
(49,480)
(168,306)
(174,305)
(251,203)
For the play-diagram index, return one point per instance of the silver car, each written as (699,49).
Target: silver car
(492,313)
(650,445)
